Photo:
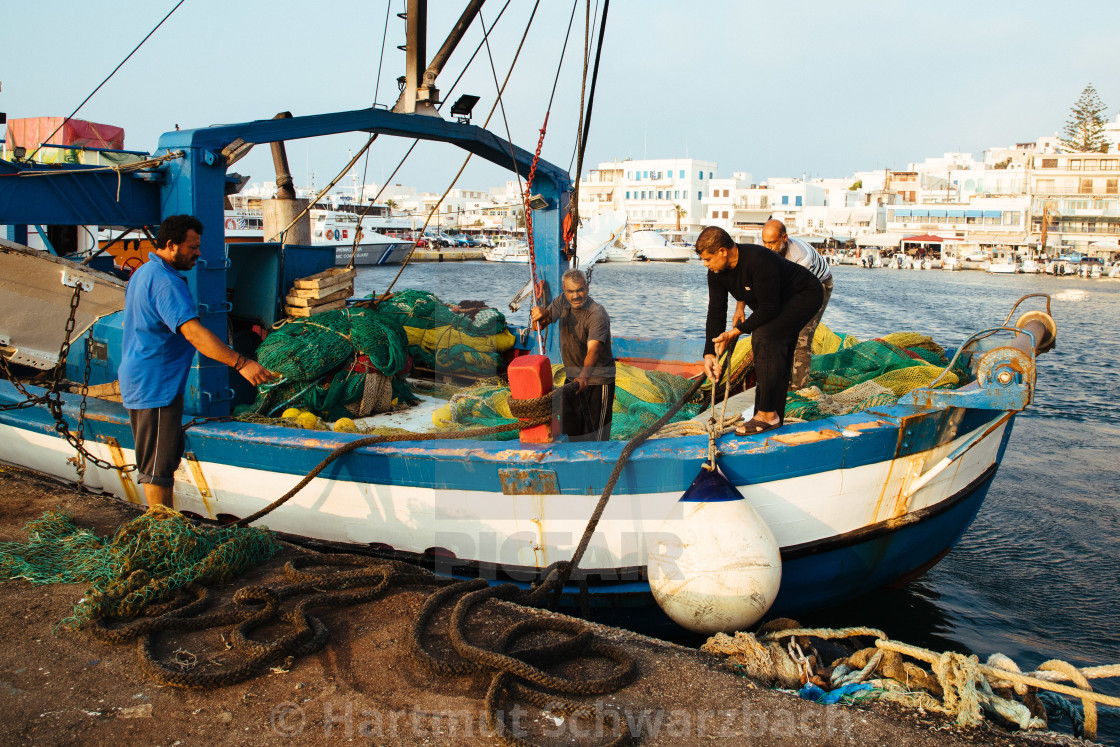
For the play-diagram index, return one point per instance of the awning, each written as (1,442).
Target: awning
(937,213)
(1013,239)
(955,213)
(993,213)
(879,239)
(974,213)
(925,238)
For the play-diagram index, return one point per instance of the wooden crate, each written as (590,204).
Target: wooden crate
(301,299)
(304,311)
(328,280)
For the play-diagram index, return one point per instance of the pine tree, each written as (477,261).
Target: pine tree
(1084,131)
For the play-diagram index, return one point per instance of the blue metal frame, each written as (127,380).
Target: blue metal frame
(195,184)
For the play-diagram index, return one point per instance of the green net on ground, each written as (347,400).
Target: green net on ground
(145,561)
(317,357)
(468,338)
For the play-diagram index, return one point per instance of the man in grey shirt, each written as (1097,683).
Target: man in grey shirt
(585,347)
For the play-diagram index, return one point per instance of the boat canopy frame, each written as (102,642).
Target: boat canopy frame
(195,183)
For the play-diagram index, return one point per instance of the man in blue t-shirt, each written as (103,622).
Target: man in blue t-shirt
(161,334)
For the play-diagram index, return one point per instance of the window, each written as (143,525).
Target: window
(1049,163)
(701,175)
(1044,186)
(676,194)
(1108,164)
(715,213)
(627,194)
(1110,187)
(682,173)
(726,193)
(1084,186)
(785,199)
(1091,164)
(724,213)
(1014,218)
(643,194)
(798,202)
(1075,164)
(710,175)
(660,195)
(699,195)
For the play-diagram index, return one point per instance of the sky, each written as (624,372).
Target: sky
(822,89)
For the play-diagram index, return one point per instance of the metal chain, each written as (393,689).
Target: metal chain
(54,399)
(30,400)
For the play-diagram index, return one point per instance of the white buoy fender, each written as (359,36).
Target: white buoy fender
(714,565)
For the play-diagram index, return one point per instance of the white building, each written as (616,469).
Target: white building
(651,191)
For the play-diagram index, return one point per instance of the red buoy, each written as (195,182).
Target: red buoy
(530,376)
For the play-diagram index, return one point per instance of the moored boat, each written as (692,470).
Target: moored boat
(507,250)
(656,247)
(852,501)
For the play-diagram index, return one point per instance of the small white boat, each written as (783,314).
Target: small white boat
(1090,267)
(1003,262)
(508,250)
(656,247)
(619,252)
(1031,266)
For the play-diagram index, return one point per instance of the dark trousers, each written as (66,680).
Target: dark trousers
(586,415)
(158,433)
(774,344)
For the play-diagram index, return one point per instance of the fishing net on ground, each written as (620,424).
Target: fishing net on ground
(145,561)
(468,338)
(847,376)
(334,363)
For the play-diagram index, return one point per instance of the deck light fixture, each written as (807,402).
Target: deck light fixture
(461,109)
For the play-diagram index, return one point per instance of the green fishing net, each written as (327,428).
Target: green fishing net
(145,561)
(316,356)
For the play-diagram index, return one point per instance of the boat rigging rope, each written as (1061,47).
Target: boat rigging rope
(526,191)
(376,90)
(284,231)
(435,209)
(102,83)
(415,142)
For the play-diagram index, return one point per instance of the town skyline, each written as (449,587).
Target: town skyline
(764,90)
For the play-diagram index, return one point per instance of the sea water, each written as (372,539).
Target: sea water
(1036,576)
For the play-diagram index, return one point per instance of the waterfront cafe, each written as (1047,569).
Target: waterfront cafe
(1107,249)
(925,245)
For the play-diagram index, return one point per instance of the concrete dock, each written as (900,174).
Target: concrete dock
(63,687)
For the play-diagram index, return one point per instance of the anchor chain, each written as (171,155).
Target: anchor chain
(54,400)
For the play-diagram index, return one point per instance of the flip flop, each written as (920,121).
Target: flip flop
(755,426)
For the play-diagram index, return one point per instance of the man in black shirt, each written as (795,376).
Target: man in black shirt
(782,296)
(585,347)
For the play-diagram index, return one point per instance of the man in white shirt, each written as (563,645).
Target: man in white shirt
(775,239)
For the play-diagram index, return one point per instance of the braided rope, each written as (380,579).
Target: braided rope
(960,676)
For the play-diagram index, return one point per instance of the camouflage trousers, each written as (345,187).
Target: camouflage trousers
(803,355)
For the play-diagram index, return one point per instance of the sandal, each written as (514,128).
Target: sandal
(755,426)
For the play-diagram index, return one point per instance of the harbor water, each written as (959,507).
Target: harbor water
(1036,575)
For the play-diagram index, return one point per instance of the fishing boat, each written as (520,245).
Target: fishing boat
(507,250)
(1003,261)
(842,505)
(656,247)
